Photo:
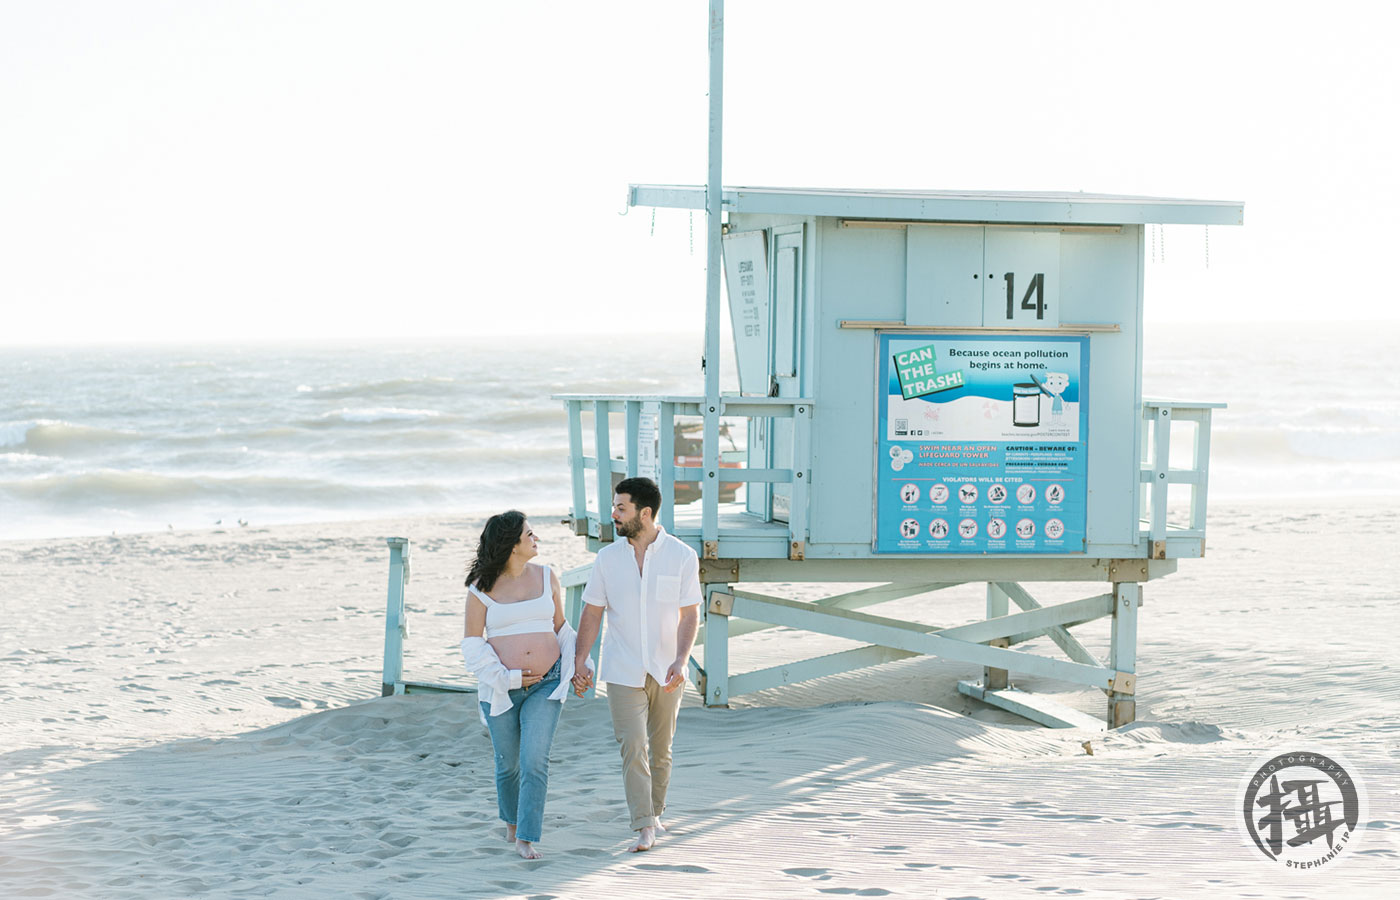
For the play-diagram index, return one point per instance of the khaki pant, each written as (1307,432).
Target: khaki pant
(644,722)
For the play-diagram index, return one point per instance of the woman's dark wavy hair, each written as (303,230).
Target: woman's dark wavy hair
(498,539)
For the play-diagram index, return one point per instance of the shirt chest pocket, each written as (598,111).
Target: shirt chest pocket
(668,591)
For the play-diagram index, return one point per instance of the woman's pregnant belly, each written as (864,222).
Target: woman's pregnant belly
(536,652)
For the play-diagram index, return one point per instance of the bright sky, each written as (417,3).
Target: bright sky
(200,170)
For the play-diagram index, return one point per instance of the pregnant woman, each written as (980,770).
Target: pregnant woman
(521,650)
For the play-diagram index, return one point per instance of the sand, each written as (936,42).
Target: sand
(197,714)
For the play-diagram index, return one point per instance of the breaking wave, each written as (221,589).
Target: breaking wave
(391,387)
(134,490)
(53,438)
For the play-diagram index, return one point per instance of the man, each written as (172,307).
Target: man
(649,585)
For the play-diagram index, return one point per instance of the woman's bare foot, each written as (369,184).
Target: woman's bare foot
(646,839)
(527,850)
(510,833)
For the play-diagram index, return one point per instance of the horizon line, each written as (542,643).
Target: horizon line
(381,340)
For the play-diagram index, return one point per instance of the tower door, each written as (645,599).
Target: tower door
(785,381)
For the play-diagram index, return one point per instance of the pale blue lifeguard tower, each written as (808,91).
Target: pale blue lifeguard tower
(935,388)
(938,387)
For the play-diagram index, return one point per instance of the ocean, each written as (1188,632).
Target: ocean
(102,439)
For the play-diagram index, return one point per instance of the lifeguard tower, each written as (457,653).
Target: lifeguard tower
(938,388)
(935,388)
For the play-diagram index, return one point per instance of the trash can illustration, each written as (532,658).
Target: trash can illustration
(1025,405)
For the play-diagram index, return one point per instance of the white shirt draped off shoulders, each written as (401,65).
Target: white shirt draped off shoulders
(494,681)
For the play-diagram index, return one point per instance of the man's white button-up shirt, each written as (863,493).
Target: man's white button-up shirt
(643,607)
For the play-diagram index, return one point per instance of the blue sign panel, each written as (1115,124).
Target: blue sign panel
(982,444)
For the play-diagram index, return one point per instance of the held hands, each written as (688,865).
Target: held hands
(583,676)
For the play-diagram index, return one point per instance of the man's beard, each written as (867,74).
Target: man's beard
(630,527)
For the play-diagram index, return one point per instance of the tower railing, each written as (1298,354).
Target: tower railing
(1182,535)
(591,509)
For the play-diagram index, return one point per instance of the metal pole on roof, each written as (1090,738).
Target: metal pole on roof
(709,518)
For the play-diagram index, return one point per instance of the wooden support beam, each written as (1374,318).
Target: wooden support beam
(1122,705)
(818,667)
(665,459)
(1038,709)
(578,488)
(1034,622)
(1062,638)
(632,440)
(1161,463)
(1201,462)
(716,647)
(737,476)
(395,620)
(697,676)
(573,603)
(603,489)
(880,593)
(997,679)
(908,636)
(960,570)
(992,677)
(573,581)
(801,464)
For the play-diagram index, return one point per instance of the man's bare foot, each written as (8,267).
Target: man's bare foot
(510,833)
(660,826)
(527,850)
(646,839)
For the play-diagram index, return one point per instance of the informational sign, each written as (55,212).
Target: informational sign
(982,444)
(746,276)
(648,441)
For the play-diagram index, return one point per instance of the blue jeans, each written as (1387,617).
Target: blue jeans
(521,737)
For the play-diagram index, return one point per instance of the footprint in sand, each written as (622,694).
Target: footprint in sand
(398,839)
(656,867)
(819,874)
(518,886)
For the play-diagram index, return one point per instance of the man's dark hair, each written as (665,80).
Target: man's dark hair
(644,493)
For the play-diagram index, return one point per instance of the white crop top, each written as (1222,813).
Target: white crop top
(519,616)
